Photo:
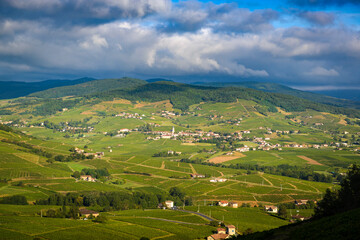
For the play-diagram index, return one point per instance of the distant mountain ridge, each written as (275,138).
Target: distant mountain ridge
(278,88)
(182,96)
(10,89)
(90,87)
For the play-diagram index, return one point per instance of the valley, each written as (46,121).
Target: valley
(253,151)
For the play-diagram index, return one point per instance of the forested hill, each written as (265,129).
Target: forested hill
(10,89)
(90,87)
(184,95)
(278,88)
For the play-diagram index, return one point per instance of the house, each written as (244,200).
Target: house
(301,202)
(169,204)
(87,178)
(86,213)
(195,175)
(271,209)
(223,203)
(99,154)
(231,230)
(218,236)
(298,218)
(221,179)
(233,204)
(243,149)
(223,234)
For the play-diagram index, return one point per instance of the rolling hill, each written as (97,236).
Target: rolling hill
(10,89)
(90,87)
(278,88)
(183,95)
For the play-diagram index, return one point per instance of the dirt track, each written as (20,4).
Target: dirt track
(310,161)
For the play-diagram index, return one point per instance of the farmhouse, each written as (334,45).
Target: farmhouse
(218,180)
(301,202)
(86,213)
(243,149)
(271,209)
(87,178)
(223,203)
(233,204)
(169,204)
(222,233)
(196,175)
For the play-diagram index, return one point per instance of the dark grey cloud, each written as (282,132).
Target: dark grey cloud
(192,16)
(317,18)
(81,11)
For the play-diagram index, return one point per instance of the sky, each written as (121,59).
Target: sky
(308,44)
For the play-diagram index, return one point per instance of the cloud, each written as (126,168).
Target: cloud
(323,72)
(325,88)
(323,3)
(182,39)
(317,18)
(62,12)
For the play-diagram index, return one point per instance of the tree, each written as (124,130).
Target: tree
(176,192)
(100,219)
(60,158)
(347,198)
(282,211)
(76,174)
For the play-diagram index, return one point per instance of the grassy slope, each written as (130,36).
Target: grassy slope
(277,88)
(341,226)
(90,87)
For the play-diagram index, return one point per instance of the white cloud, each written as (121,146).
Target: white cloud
(323,72)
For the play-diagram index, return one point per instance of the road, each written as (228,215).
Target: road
(199,214)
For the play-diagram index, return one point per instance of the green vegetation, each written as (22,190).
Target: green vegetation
(233,145)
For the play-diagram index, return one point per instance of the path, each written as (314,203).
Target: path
(277,155)
(162,165)
(174,221)
(192,168)
(130,158)
(199,214)
(309,160)
(271,184)
(25,157)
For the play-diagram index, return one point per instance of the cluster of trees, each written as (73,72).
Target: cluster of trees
(5,128)
(107,201)
(63,212)
(52,106)
(95,173)
(138,173)
(16,200)
(30,147)
(72,157)
(309,205)
(344,199)
(145,128)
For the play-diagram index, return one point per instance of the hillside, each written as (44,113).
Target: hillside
(278,88)
(10,89)
(183,95)
(341,226)
(89,87)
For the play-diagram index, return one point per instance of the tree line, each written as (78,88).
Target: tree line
(108,201)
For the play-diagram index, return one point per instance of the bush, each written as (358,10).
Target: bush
(16,200)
